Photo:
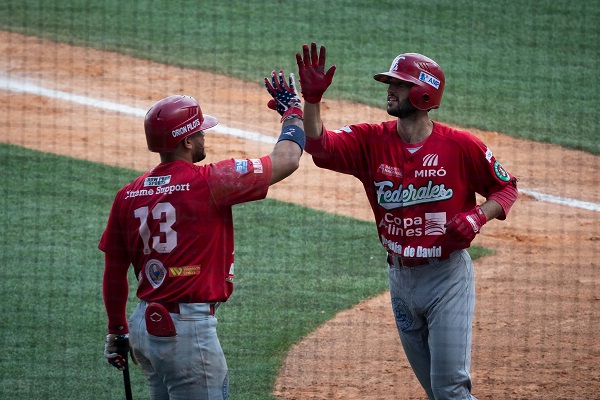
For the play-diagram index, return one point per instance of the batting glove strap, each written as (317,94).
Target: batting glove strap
(293,112)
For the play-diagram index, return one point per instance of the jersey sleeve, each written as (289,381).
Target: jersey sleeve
(237,181)
(493,181)
(112,240)
(115,290)
(340,150)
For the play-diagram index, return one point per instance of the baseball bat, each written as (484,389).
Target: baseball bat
(122,344)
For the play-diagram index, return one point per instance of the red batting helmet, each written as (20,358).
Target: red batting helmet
(171,120)
(425,74)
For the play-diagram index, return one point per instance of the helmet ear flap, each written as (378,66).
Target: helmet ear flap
(419,97)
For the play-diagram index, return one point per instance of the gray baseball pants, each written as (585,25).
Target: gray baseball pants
(433,307)
(188,366)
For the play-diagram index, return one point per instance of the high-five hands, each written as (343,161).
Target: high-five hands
(285,97)
(311,69)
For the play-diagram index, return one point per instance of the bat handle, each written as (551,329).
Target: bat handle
(122,343)
(127,383)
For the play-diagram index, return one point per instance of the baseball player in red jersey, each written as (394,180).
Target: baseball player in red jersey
(421,178)
(174,225)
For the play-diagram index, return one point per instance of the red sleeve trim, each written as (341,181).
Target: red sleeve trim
(506,198)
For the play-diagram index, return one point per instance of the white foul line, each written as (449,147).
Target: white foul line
(561,200)
(24,87)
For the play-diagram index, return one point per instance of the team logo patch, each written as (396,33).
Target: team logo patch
(402,314)
(430,160)
(188,270)
(390,170)
(157,180)
(434,223)
(155,272)
(488,154)
(501,172)
(241,166)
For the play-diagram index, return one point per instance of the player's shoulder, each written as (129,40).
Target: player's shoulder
(367,128)
(457,136)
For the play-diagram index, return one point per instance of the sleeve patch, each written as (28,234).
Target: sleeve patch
(346,129)
(501,172)
(257,164)
(488,155)
(241,166)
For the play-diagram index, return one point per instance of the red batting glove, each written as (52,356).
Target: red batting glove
(463,227)
(311,69)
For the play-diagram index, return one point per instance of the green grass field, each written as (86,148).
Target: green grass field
(295,269)
(528,69)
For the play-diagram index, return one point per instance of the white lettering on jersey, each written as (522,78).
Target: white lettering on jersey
(390,170)
(431,225)
(391,198)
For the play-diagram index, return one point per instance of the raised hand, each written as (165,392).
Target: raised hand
(285,97)
(311,69)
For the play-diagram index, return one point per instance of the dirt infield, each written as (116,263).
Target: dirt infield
(537,318)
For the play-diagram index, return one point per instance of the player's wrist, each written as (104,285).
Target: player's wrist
(293,133)
(118,329)
(480,215)
(293,112)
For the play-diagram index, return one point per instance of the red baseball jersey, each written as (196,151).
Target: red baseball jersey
(413,194)
(174,224)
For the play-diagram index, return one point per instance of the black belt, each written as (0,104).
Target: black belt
(174,307)
(406,262)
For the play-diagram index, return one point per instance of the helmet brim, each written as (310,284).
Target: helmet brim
(209,122)
(385,77)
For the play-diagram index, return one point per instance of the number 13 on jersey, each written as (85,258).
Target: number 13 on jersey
(165,213)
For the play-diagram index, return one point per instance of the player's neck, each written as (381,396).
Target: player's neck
(414,130)
(175,156)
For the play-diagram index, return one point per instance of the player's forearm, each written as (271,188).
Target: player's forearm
(505,198)
(115,290)
(285,158)
(313,124)
(492,209)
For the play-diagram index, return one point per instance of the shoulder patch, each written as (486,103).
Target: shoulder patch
(501,172)
(488,154)
(346,129)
